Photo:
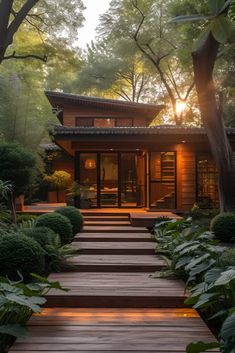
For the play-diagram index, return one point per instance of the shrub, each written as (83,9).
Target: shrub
(227,258)
(223,226)
(59,224)
(75,217)
(43,235)
(20,253)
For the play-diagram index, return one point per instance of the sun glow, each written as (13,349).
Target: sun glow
(180,107)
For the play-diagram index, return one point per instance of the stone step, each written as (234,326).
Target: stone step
(115,248)
(114,229)
(116,263)
(115,290)
(116,237)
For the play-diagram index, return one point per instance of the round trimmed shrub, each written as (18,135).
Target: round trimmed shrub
(223,226)
(20,253)
(75,217)
(43,235)
(59,224)
(227,258)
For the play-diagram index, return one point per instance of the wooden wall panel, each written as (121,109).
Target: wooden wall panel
(188,179)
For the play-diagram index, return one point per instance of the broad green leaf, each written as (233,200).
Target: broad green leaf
(216,6)
(213,274)
(202,267)
(225,278)
(14,330)
(183,261)
(188,18)
(24,301)
(205,299)
(196,261)
(222,29)
(228,327)
(199,289)
(198,347)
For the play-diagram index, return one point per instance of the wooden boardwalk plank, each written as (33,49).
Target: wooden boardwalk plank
(114,229)
(116,237)
(116,330)
(116,248)
(117,263)
(115,290)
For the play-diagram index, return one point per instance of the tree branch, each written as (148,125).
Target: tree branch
(33,56)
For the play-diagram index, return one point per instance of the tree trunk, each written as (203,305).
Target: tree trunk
(204,60)
(12,206)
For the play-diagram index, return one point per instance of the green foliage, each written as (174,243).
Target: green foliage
(223,226)
(58,255)
(75,217)
(227,258)
(17,166)
(59,224)
(18,302)
(60,180)
(20,253)
(43,235)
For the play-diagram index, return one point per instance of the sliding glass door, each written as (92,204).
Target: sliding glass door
(113,179)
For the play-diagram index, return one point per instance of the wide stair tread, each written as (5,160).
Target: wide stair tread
(107,218)
(121,248)
(113,229)
(115,290)
(107,237)
(113,331)
(108,223)
(116,263)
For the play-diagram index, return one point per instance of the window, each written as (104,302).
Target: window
(104,123)
(207,189)
(162,180)
(84,122)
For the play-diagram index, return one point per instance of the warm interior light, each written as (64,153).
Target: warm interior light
(90,164)
(180,107)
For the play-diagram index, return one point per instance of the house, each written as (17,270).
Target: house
(120,160)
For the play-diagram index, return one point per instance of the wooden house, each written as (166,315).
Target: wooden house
(120,160)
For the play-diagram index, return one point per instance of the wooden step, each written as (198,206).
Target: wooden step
(113,331)
(115,290)
(108,223)
(107,237)
(116,263)
(106,218)
(116,248)
(113,229)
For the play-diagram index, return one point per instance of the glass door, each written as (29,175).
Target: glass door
(108,179)
(88,180)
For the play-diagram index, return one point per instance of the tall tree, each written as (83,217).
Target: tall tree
(114,69)
(40,15)
(218,31)
(144,22)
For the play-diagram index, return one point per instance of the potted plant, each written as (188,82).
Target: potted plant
(81,192)
(58,182)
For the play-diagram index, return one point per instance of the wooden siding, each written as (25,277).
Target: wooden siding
(188,179)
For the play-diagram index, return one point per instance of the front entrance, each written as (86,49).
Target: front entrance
(112,179)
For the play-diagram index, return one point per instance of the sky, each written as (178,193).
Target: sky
(94,8)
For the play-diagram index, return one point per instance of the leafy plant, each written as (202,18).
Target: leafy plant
(75,217)
(223,226)
(18,302)
(19,252)
(59,224)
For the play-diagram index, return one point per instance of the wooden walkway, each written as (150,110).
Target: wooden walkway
(114,305)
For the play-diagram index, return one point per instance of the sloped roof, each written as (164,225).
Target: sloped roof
(61,99)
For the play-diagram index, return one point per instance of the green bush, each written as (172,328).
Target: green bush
(75,217)
(20,253)
(43,235)
(59,224)
(227,258)
(223,226)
